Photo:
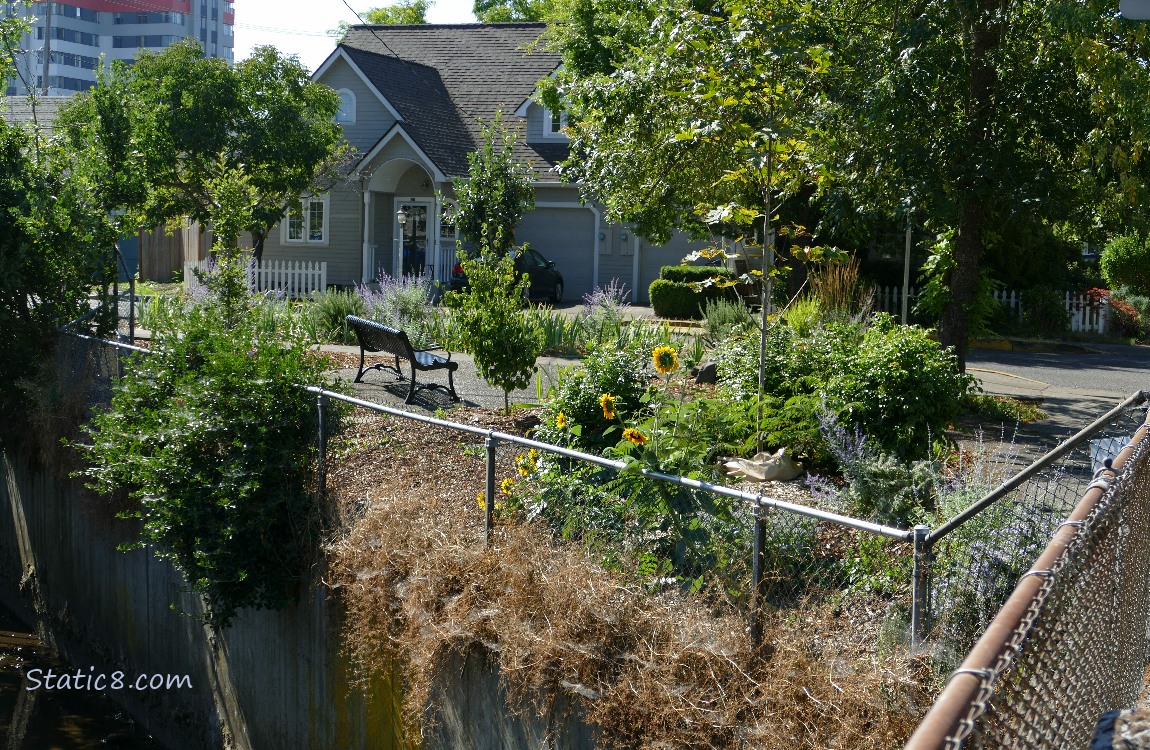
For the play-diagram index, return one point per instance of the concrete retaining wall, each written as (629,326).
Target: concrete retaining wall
(271,680)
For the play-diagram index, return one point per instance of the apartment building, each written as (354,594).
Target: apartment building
(67,40)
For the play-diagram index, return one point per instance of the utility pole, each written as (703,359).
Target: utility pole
(47,51)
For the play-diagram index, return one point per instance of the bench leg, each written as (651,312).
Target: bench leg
(359,375)
(451,384)
(411,390)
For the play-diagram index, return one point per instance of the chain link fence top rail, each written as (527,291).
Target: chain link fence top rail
(1072,641)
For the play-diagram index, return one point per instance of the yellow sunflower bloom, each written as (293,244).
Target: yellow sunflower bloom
(635,436)
(507,486)
(607,401)
(666,359)
(561,421)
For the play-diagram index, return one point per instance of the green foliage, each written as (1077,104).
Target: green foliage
(504,11)
(55,243)
(330,309)
(497,191)
(675,300)
(689,116)
(615,371)
(161,127)
(724,318)
(1125,262)
(984,406)
(689,274)
(1045,311)
(803,315)
(405,12)
(936,291)
(892,381)
(213,437)
(489,324)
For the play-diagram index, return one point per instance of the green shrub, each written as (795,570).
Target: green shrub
(892,381)
(900,387)
(618,372)
(1045,311)
(488,322)
(1126,262)
(696,274)
(723,318)
(676,300)
(215,440)
(330,309)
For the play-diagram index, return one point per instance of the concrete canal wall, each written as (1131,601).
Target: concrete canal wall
(271,680)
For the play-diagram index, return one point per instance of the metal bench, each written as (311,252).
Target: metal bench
(378,338)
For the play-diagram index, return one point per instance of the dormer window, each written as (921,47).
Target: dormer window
(553,125)
(346,111)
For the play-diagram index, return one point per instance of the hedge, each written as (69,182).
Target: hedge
(687,274)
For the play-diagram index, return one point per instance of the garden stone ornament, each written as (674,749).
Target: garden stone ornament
(764,467)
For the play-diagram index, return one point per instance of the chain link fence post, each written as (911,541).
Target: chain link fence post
(920,584)
(757,566)
(321,444)
(490,443)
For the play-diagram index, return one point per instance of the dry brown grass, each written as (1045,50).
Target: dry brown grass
(650,669)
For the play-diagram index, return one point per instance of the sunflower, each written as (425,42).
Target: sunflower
(607,401)
(507,486)
(635,436)
(666,359)
(561,421)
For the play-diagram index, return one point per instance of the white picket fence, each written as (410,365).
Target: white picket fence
(286,278)
(1087,314)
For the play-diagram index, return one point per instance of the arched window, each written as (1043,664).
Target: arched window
(346,107)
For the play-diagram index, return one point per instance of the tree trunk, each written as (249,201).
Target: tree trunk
(954,327)
(984,35)
(258,246)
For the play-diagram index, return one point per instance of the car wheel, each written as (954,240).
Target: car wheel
(557,293)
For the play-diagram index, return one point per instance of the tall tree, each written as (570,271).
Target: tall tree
(503,11)
(182,113)
(496,193)
(973,112)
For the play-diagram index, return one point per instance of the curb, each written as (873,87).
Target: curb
(1034,347)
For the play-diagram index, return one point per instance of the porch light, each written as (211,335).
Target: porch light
(401,217)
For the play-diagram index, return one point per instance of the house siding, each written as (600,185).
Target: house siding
(372,119)
(653,257)
(617,257)
(343,251)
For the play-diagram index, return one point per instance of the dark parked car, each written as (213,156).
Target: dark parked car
(545,282)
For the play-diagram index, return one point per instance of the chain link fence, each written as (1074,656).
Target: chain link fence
(948,581)
(979,556)
(1073,639)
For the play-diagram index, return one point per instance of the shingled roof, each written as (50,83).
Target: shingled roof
(27,113)
(448,81)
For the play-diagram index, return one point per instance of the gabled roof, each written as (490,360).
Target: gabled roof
(448,81)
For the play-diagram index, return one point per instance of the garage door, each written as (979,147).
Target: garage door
(566,236)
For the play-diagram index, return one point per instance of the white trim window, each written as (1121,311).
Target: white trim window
(346,113)
(553,126)
(307,222)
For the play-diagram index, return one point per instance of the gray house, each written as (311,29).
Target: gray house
(414,101)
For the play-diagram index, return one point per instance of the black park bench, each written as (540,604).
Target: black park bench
(378,338)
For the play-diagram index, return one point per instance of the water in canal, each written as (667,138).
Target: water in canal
(42,719)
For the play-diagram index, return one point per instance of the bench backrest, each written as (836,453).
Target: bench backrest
(376,337)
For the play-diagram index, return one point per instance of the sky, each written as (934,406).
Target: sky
(301,27)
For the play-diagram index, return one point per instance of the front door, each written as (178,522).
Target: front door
(412,222)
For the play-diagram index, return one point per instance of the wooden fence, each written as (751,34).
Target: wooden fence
(1088,313)
(289,278)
